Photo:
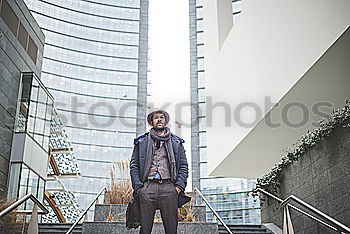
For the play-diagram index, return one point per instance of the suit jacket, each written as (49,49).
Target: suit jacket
(138,170)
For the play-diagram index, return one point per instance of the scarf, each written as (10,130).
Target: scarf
(153,138)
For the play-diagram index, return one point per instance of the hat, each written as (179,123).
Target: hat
(183,199)
(150,116)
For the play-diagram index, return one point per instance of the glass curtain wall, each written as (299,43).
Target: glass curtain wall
(228,196)
(36,105)
(23,181)
(34,119)
(91,67)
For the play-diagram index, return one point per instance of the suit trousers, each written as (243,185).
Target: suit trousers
(153,196)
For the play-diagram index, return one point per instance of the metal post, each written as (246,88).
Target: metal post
(85,211)
(33,224)
(213,210)
(287,222)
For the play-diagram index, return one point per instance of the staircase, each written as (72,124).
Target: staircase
(59,228)
(245,229)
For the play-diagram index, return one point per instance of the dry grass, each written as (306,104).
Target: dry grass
(115,217)
(111,217)
(11,222)
(119,189)
(187,213)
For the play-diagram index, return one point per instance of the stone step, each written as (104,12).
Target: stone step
(59,228)
(245,232)
(244,229)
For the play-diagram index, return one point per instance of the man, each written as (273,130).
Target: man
(159,172)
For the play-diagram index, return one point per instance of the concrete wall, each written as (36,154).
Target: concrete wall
(14,60)
(321,178)
(272,54)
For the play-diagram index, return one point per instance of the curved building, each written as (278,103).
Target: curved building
(95,65)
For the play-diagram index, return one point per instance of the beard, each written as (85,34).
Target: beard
(159,129)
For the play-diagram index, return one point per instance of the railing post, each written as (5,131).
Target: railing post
(339,227)
(84,214)
(287,221)
(213,210)
(33,223)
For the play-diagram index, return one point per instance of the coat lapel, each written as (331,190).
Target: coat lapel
(148,158)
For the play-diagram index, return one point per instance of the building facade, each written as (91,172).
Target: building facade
(228,196)
(30,149)
(285,85)
(95,64)
(21,50)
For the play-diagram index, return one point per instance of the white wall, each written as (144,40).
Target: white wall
(268,50)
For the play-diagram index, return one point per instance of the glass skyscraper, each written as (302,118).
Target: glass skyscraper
(228,196)
(95,65)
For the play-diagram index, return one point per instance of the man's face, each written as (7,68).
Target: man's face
(158,120)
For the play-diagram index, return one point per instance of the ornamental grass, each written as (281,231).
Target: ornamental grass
(187,212)
(119,189)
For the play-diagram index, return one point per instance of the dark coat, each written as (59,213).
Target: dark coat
(138,171)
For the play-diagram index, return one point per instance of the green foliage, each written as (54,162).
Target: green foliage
(271,180)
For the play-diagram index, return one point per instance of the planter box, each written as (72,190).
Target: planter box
(103,211)
(119,228)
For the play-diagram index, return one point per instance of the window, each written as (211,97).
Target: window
(9,16)
(200,25)
(35,110)
(200,64)
(32,50)
(23,36)
(18,30)
(14,180)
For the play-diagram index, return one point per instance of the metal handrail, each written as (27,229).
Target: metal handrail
(20,201)
(285,202)
(338,224)
(213,210)
(85,211)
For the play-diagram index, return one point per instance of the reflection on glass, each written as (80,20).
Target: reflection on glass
(28,182)
(41,190)
(35,110)
(14,180)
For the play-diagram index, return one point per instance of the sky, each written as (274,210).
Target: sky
(169,64)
